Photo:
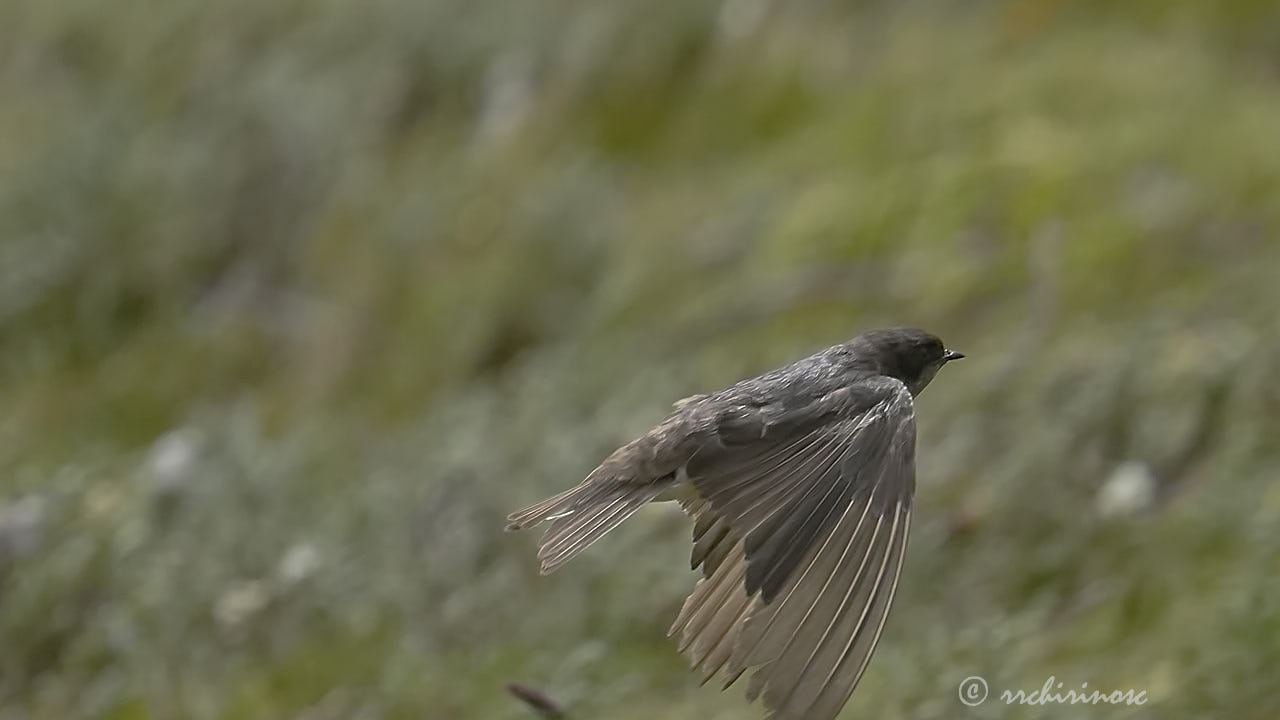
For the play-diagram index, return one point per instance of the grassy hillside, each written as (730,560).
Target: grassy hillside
(298,299)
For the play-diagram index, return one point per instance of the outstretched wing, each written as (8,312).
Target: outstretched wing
(802,517)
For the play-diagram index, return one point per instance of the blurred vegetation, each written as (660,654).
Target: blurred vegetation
(299,298)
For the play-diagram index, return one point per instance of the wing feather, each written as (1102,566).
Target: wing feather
(801,530)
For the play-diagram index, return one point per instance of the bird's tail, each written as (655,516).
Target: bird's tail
(581,515)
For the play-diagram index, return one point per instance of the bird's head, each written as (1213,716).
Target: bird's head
(908,354)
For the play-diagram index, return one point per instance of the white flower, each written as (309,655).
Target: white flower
(173,455)
(299,562)
(240,602)
(1130,490)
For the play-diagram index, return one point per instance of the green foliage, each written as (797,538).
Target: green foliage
(299,299)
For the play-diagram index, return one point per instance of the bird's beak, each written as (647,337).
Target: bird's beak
(950,355)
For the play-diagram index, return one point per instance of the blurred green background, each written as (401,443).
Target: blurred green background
(299,298)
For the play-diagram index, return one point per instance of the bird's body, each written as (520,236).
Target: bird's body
(800,482)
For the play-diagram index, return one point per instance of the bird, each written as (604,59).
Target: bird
(800,484)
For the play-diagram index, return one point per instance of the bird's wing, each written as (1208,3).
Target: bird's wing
(802,518)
